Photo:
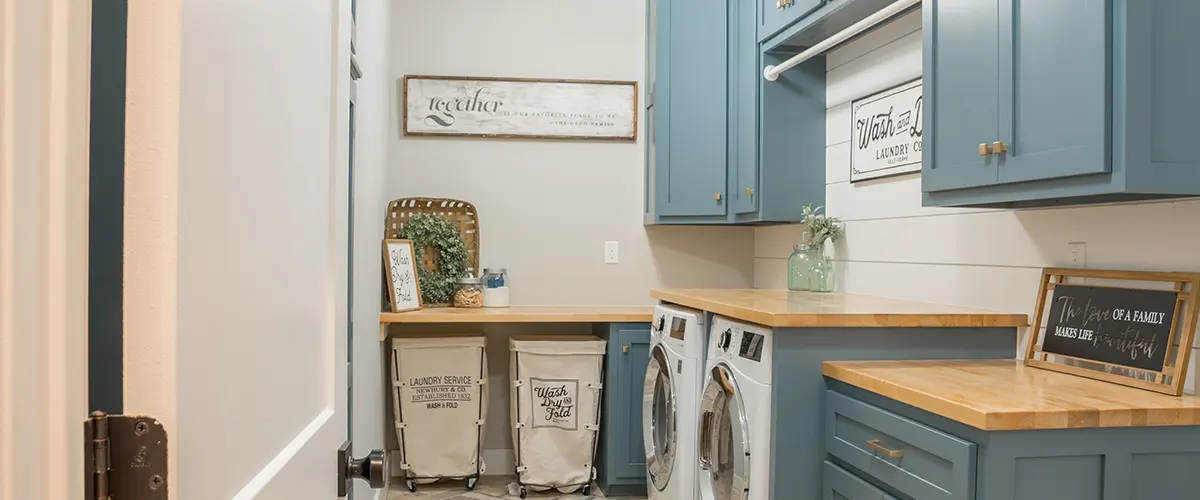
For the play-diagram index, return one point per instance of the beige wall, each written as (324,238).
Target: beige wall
(984,258)
(547,207)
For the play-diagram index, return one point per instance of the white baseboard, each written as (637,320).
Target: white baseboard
(500,462)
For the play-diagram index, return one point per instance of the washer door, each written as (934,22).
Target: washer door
(724,439)
(658,418)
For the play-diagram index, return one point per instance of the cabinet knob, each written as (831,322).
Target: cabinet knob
(985,150)
(999,147)
(717,196)
(749,192)
(625,349)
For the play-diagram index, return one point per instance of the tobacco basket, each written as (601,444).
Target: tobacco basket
(461,213)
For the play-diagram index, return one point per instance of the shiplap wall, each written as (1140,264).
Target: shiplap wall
(982,258)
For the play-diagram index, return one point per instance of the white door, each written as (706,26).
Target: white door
(44,81)
(236,229)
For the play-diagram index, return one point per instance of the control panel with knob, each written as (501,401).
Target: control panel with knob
(660,323)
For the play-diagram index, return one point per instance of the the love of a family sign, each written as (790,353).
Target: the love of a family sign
(520,108)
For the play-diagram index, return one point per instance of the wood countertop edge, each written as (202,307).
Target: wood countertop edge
(523,314)
(1016,420)
(919,399)
(800,319)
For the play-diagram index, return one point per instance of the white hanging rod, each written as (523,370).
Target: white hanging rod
(771,73)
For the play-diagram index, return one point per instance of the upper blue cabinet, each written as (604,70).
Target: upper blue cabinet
(776,14)
(725,146)
(1060,102)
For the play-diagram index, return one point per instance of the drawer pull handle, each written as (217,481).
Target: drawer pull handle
(874,444)
(999,147)
(984,150)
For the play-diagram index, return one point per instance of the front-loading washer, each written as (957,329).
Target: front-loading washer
(734,450)
(670,401)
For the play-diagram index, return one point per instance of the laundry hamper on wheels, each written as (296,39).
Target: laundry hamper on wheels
(556,384)
(439,397)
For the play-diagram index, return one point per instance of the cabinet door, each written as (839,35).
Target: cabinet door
(777,14)
(658,104)
(627,378)
(1054,88)
(961,89)
(693,181)
(743,106)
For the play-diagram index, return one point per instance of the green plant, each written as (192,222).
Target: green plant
(431,231)
(821,227)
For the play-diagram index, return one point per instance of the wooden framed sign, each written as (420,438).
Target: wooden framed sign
(885,133)
(1130,328)
(520,108)
(400,267)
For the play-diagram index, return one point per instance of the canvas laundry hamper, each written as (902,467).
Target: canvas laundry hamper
(556,386)
(439,398)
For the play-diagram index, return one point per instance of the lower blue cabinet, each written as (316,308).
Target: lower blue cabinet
(621,457)
(881,449)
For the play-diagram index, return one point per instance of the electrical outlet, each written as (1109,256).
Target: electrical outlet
(1078,253)
(610,252)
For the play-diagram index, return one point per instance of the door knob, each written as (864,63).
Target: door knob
(372,468)
(749,192)
(717,196)
(985,150)
(999,147)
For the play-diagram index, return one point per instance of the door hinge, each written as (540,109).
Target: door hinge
(125,458)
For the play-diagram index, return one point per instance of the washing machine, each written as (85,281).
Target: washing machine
(670,400)
(734,450)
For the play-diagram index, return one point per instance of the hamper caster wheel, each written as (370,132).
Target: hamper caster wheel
(523,492)
(586,490)
(411,484)
(471,482)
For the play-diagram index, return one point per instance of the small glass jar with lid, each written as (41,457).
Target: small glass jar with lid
(495,287)
(470,293)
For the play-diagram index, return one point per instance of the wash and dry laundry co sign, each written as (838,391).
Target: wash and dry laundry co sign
(514,107)
(885,133)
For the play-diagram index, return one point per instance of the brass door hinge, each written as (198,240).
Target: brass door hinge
(125,458)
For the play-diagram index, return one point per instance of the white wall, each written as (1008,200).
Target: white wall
(969,257)
(547,207)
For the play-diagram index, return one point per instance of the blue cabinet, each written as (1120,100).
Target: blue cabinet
(1065,102)
(621,458)
(1120,463)
(776,14)
(727,147)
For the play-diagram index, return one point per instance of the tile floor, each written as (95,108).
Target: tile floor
(488,488)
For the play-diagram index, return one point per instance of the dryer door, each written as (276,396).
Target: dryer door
(724,439)
(658,418)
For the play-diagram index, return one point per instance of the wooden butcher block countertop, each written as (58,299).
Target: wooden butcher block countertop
(1002,395)
(523,314)
(782,308)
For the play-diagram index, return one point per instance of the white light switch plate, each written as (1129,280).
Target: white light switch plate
(611,253)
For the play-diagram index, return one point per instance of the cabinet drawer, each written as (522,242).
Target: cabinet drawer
(915,459)
(841,484)
(777,15)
